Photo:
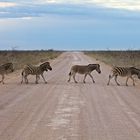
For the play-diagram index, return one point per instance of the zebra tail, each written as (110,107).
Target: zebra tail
(70,74)
(22,73)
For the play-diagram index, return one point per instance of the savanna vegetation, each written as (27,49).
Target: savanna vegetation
(117,58)
(20,58)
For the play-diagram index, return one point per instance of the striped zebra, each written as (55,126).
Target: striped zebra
(35,70)
(5,69)
(124,72)
(84,69)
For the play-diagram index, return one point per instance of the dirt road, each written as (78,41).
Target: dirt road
(68,111)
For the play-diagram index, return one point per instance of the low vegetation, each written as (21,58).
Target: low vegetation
(118,58)
(20,58)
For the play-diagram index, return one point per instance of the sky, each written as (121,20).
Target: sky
(70,24)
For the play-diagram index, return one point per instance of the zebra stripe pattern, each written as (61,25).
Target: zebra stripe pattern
(4,69)
(124,72)
(35,70)
(84,69)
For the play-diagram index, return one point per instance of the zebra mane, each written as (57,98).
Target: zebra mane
(92,64)
(44,64)
(135,68)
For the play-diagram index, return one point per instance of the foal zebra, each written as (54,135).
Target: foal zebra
(35,70)
(124,72)
(84,69)
(4,69)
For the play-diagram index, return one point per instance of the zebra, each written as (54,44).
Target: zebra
(83,69)
(35,70)
(124,72)
(5,69)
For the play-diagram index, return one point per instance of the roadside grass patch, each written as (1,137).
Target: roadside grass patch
(117,58)
(20,58)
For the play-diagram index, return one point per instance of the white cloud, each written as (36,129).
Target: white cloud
(119,4)
(88,8)
(7,4)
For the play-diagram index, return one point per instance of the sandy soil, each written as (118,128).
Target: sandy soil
(68,111)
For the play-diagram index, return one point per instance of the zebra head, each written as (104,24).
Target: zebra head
(8,67)
(98,68)
(137,72)
(46,66)
(94,67)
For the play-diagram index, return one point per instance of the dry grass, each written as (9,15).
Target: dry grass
(117,58)
(20,58)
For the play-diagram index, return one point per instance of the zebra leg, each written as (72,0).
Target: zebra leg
(22,77)
(91,77)
(37,78)
(132,80)
(44,78)
(26,80)
(69,78)
(127,80)
(116,80)
(84,78)
(2,79)
(22,80)
(74,78)
(110,77)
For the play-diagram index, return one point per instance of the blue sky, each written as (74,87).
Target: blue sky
(70,24)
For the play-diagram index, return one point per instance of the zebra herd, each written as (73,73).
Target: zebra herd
(35,70)
(86,69)
(124,72)
(81,69)
(4,69)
